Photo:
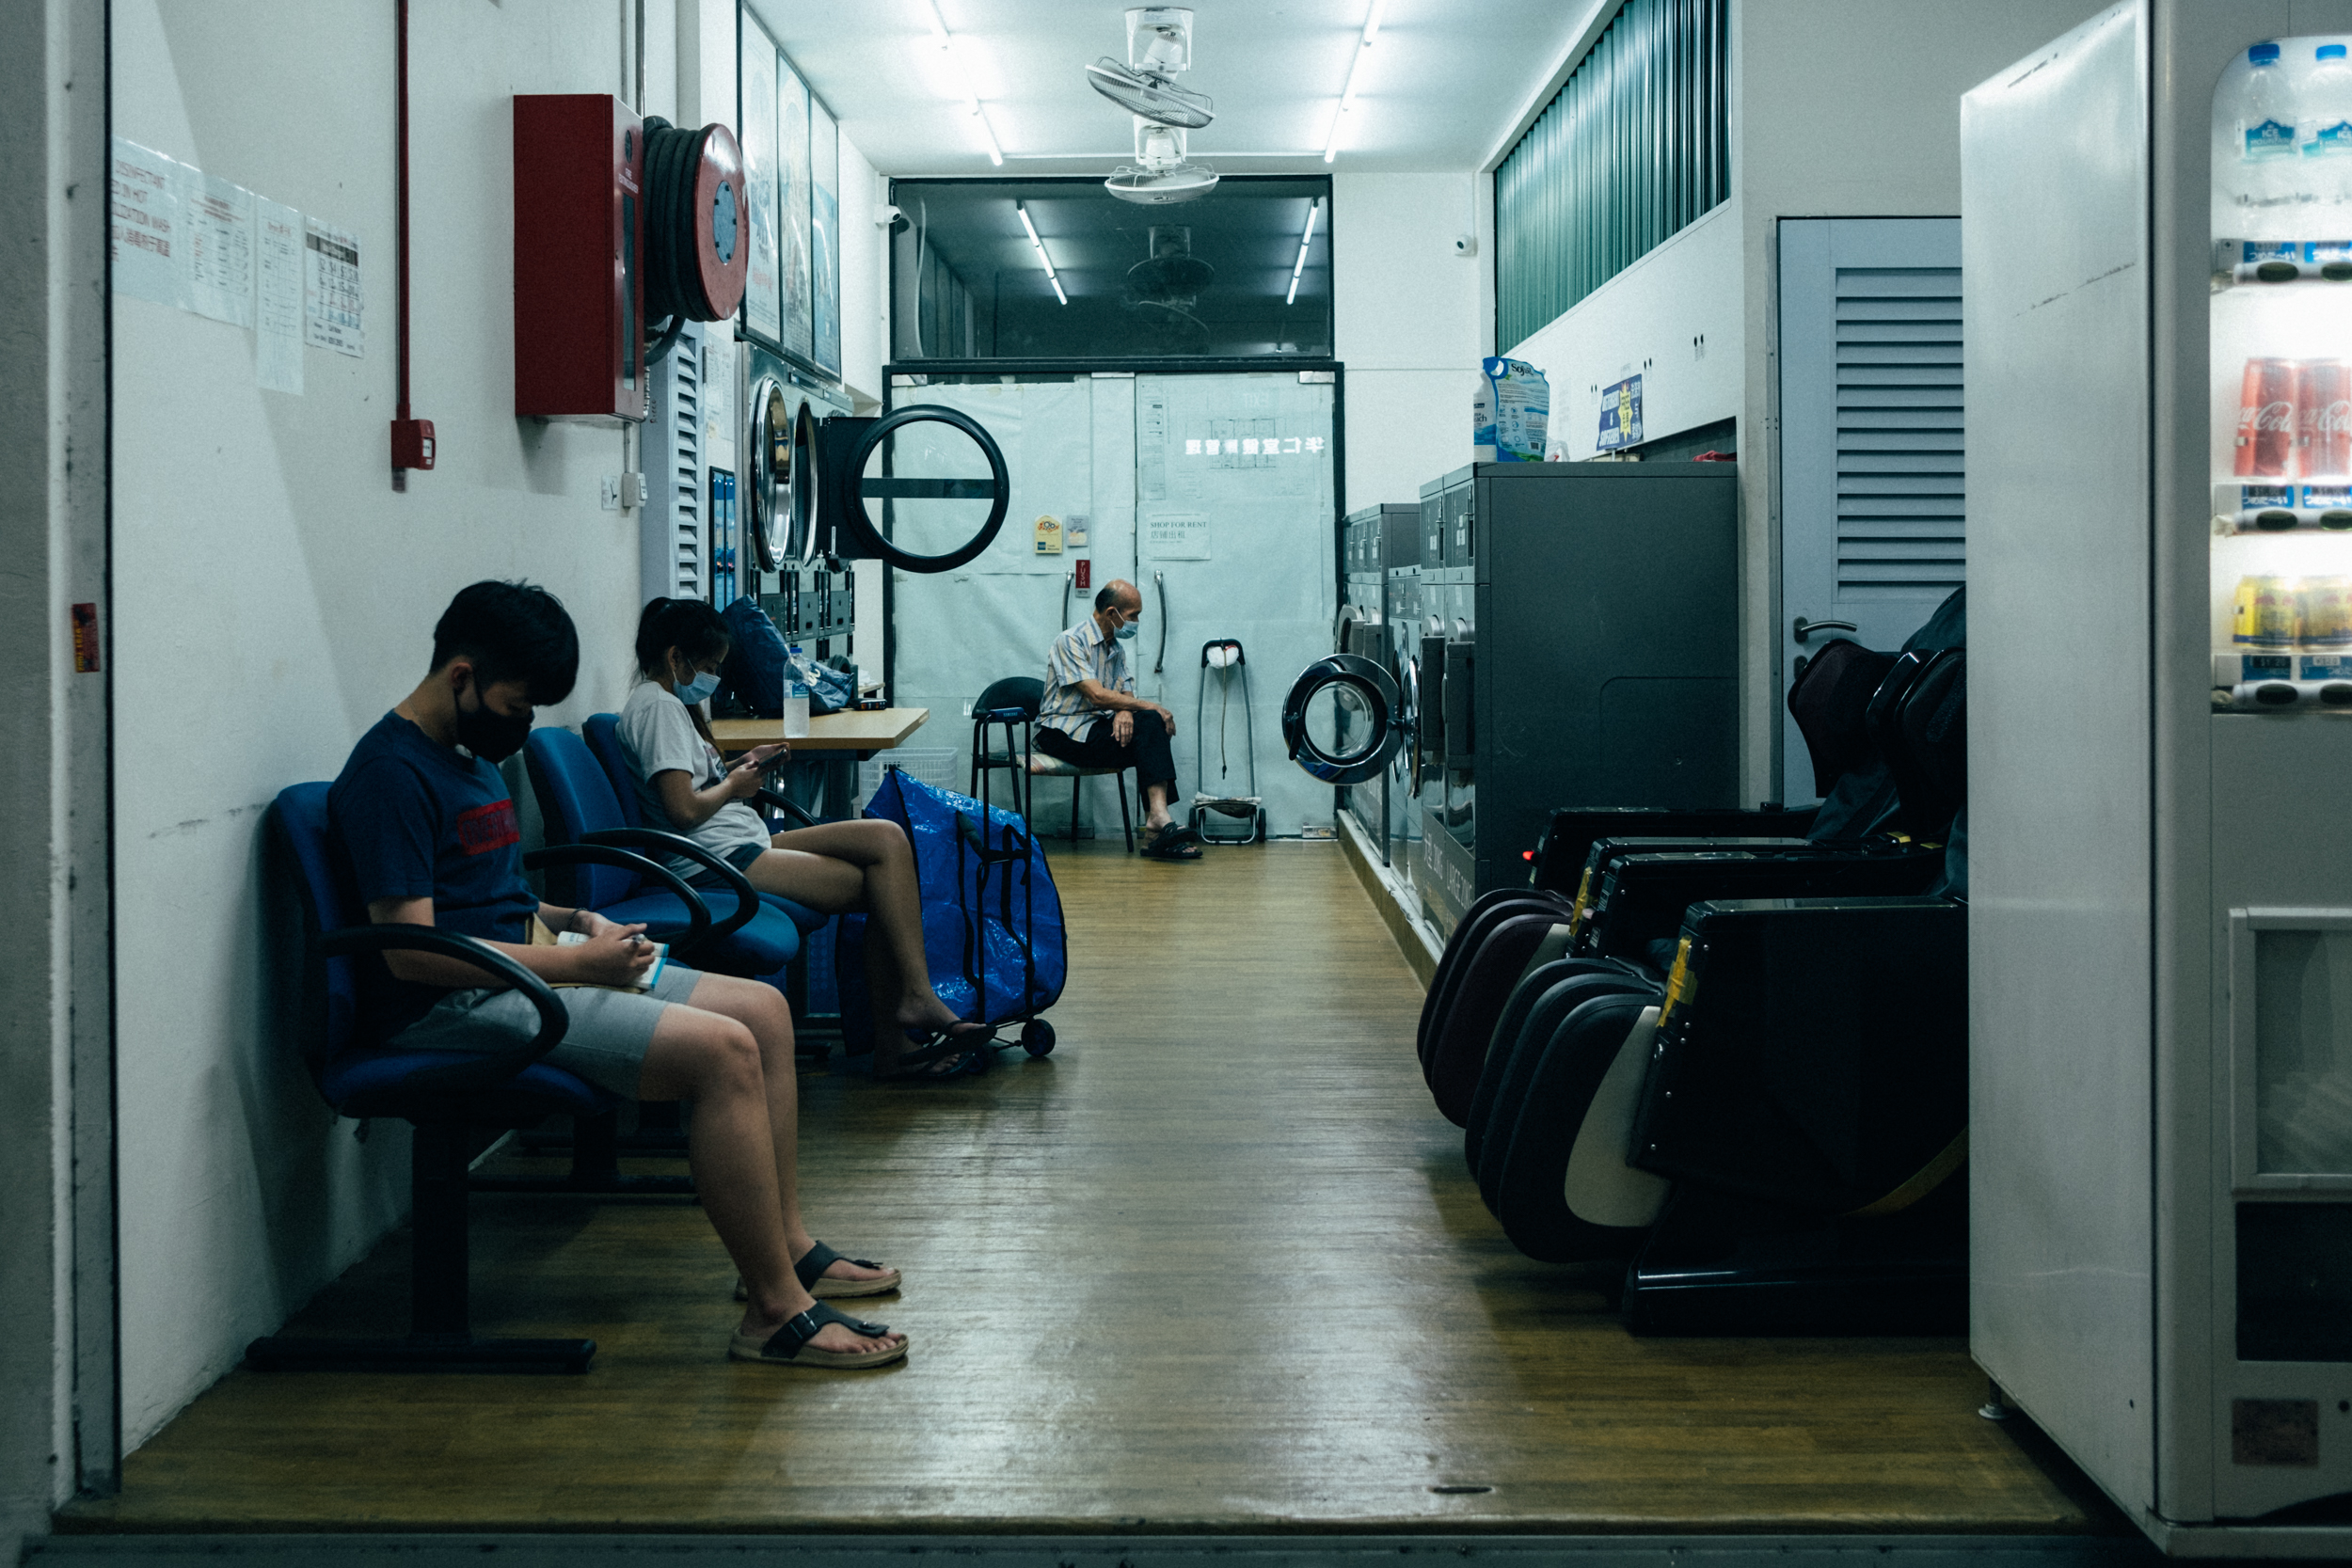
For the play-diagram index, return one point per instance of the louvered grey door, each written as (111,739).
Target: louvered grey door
(1872,497)
(673,541)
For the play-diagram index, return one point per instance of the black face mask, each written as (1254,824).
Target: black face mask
(491,735)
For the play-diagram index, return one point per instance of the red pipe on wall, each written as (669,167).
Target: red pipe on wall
(412,438)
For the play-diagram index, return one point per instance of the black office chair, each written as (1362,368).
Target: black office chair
(1014,701)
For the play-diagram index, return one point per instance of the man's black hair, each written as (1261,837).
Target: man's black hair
(511,631)
(1107,595)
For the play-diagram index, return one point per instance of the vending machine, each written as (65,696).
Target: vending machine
(2156,224)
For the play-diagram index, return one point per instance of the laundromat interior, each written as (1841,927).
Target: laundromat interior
(1748,954)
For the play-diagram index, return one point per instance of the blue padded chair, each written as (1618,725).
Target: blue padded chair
(603,734)
(444,1096)
(579,805)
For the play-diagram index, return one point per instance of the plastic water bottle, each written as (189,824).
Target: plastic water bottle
(2267,169)
(2323,136)
(795,697)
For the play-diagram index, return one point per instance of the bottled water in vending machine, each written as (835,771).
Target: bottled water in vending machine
(2323,138)
(2269,173)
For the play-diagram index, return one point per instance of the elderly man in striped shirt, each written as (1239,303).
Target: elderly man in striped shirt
(1091,715)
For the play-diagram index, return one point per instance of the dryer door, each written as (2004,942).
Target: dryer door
(781,447)
(1341,721)
(940,479)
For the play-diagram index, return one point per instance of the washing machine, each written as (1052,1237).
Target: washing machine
(1401,615)
(1446,801)
(1363,632)
(776,499)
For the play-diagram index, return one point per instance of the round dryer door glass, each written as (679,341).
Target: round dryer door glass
(769,413)
(783,445)
(932,489)
(1404,767)
(1340,722)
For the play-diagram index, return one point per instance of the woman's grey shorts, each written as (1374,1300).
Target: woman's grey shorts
(605,1042)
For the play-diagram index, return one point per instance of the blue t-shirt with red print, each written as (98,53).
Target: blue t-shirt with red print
(417,819)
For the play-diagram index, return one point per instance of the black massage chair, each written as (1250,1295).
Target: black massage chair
(1735,1058)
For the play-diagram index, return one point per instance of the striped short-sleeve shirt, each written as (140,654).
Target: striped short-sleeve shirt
(1083,652)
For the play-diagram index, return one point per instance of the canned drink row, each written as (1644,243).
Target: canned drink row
(2293,613)
(2294,420)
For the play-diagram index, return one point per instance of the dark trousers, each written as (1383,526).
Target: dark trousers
(1148,752)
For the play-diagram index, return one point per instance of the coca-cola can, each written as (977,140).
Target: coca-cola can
(2323,414)
(2266,423)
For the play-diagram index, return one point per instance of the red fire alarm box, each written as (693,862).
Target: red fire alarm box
(579,223)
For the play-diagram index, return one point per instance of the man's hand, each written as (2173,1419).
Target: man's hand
(1122,727)
(612,955)
(1165,717)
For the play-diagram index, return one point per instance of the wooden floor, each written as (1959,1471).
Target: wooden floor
(1215,1265)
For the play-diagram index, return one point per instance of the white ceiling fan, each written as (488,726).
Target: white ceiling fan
(1159,44)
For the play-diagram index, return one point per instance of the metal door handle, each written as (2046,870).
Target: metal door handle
(1805,629)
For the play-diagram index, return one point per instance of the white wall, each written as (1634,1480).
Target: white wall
(274,596)
(1674,318)
(1407,326)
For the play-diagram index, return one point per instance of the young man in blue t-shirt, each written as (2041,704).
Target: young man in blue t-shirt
(428,826)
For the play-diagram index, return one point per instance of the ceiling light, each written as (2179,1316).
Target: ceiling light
(1038,246)
(1300,265)
(971,98)
(1347,93)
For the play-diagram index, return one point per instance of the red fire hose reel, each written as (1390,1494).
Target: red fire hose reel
(624,230)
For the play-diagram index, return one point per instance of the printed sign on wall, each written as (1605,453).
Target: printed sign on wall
(1621,414)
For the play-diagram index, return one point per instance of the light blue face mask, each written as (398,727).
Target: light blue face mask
(1126,633)
(698,689)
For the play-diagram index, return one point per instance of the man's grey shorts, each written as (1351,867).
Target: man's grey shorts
(605,1042)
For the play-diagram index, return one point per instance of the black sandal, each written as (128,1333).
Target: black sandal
(1173,843)
(789,1345)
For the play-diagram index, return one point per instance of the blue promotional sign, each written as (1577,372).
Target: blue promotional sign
(1621,414)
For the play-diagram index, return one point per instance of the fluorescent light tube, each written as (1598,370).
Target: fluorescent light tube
(1348,92)
(1038,246)
(972,99)
(1300,265)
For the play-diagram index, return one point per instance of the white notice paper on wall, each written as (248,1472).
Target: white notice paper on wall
(278,253)
(1176,535)
(220,219)
(331,289)
(144,230)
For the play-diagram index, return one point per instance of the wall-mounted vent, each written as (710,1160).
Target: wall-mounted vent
(675,539)
(1902,504)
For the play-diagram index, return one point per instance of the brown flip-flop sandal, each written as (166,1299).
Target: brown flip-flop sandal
(1173,844)
(789,1345)
(810,1272)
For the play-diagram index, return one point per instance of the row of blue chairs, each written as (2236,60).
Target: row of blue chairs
(595,858)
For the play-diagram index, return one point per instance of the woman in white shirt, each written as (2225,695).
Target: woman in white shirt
(864,866)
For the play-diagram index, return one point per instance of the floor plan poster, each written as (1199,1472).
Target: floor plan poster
(331,289)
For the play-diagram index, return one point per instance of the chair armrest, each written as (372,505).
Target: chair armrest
(746,896)
(1643,899)
(697,912)
(1570,831)
(1004,716)
(774,801)
(465,1074)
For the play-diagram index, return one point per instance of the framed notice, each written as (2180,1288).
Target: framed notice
(757,122)
(825,234)
(797,331)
